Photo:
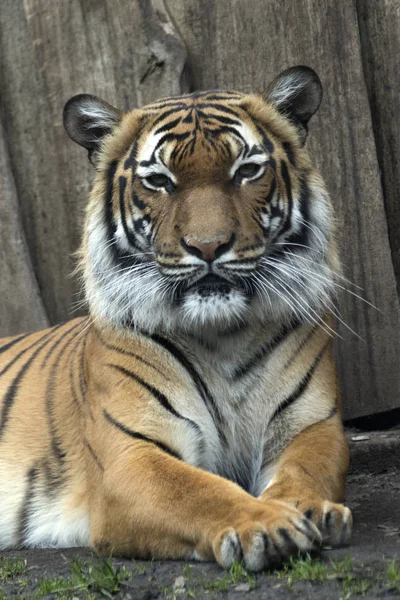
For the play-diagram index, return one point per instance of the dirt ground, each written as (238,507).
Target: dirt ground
(370,568)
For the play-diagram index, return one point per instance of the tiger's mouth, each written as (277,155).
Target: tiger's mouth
(211,284)
(213,287)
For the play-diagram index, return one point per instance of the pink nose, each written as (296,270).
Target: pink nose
(207,250)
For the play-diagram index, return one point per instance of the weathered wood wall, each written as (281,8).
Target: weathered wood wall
(132,51)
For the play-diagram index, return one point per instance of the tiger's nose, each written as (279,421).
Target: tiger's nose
(208,250)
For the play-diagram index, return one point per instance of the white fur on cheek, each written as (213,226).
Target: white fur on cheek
(139,294)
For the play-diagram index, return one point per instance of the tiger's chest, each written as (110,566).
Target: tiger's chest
(236,446)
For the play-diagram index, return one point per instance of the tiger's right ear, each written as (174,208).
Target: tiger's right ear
(88,120)
(297,94)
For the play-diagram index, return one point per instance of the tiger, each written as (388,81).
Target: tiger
(195,413)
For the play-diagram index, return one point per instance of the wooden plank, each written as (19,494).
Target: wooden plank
(243,45)
(46,211)
(49,51)
(379,24)
(21,308)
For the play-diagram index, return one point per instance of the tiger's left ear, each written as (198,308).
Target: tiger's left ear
(87,120)
(297,94)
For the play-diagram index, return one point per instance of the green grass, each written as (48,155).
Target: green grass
(92,579)
(11,567)
(139,569)
(86,577)
(236,574)
(303,568)
(354,580)
(351,578)
(393,573)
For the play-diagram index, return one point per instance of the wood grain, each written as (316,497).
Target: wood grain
(34,160)
(21,307)
(49,51)
(243,45)
(379,24)
(130,53)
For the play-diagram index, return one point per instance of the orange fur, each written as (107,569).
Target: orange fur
(222,441)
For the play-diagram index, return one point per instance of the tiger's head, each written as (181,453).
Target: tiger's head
(206,211)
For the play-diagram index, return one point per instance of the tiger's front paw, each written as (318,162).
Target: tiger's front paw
(334,521)
(264,535)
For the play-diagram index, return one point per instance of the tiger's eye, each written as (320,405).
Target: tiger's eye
(248,169)
(157,180)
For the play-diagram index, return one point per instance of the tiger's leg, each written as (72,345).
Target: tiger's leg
(146,503)
(311,475)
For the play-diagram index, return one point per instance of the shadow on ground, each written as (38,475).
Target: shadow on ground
(370,568)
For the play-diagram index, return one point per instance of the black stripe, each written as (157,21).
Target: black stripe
(167,113)
(189,116)
(300,347)
(226,129)
(12,391)
(139,436)
(43,337)
(79,401)
(152,108)
(23,518)
(268,145)
(171,137)
(131,161)
(93,454)
(82,382)
(168,126)
(225,109)
(71,374)
(11,344)
(118,256)
(162,399)
(220,118)
(129,235)
(172,100)
(302,386)
(132,354)
(254,151)
(286,179)
(56,446)
(219,94)
(197,380)
(302,236)
(265,350)
(57,343)
(287,146)
(266,207)
(137,201)
(332,413)
(271,192)
(108,208)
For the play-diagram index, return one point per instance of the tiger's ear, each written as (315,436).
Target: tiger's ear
(88,120)
(297,94)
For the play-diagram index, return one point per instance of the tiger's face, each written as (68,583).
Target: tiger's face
(202,205)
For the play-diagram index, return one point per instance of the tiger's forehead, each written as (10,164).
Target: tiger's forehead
(206,97)
(210,123)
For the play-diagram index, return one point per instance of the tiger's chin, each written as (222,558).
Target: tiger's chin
(220,309)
